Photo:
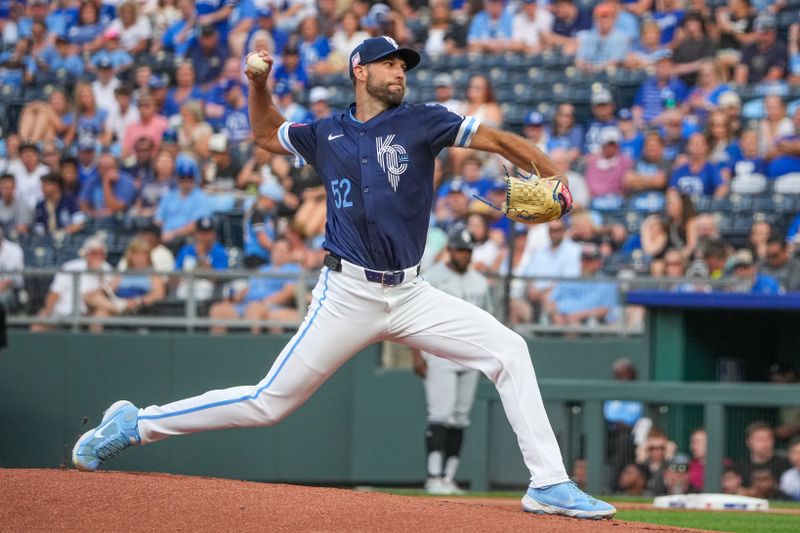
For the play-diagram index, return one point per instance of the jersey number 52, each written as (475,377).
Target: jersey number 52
(341,193)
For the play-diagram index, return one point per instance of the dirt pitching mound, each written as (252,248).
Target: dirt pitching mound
(68,500)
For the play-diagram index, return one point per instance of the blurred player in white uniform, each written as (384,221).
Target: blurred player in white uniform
(450,387)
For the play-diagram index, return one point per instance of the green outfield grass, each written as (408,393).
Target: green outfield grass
(716,520)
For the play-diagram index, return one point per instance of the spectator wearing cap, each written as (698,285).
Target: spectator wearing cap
(533,129)
(530,28)
(109,193)
(56,213)
(695,45)
(318,104)
(236,120)
(291,70)
(27,172)
(745,269)
(258,20)
(644,49)
(260,228)
(150,124)
(179,209)
(119,58)
(133,27)
(592,302)
(699,176)
(185,89)
(129,293)
(631,137)
(605,170)
(568,21)
(86,158)
(122,114)
(443,92)
(91,266)
(222,170)
(565,133)
(651,171)
(15,215)
(675,131)
(291,110)
(61,57)
(765,59)
(661,91)
(207,54)
(452,205)
(204,252)
(105,84)
(157,87)
(491,29)
(603,46)
(603,110)
(348,35)
(178,36)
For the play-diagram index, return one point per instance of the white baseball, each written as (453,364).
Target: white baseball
(257,65)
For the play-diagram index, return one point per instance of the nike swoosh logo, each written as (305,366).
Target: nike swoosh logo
(331,136)
(100,432)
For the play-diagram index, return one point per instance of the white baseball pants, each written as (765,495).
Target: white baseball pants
(449,391)
(349,313)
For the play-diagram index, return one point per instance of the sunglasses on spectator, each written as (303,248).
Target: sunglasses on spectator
(654,448)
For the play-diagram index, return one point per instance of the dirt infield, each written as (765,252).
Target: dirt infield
(68,500)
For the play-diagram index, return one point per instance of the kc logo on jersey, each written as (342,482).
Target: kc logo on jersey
(392,158)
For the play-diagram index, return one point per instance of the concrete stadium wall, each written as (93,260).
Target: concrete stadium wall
(364,426)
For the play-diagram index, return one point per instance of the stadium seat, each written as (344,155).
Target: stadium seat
(650,202)
(749,184)
(740,202)
(788,184)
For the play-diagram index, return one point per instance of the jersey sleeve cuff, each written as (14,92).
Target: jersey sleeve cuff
(286,142)
(465,133)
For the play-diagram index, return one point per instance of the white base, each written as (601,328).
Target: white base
(712,502)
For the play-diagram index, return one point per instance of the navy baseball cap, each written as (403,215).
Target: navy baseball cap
(186,167)
(460,238)
(534,118)
(625,114)
(282,89)
(204,224)
(373,49)
(156,82)
(105,62)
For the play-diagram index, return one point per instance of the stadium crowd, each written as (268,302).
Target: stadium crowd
(676,121)
(644,461)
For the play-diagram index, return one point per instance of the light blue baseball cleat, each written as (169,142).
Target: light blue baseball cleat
(118,430)
(565,499)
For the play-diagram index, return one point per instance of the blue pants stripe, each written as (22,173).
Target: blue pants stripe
(263,387)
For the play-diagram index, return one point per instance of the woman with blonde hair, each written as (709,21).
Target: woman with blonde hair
(138,288)
(194,132)
(89,118)
(134,29)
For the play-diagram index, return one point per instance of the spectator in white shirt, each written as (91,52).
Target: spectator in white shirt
(59,300)
(27,172)
(134,29)
(104,86)
(530,28)
(122,114)
(11,260)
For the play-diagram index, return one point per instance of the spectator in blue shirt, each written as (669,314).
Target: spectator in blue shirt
(120,59)
(205,252)
(659,92)
(565,133)
(669,16)
(87,28)
(602,117)
(17,66)
(56,212)
(216,14)
(264,298)
(179,209)
(260,225)
(490,30)
(603,46)
(109,192)
(632,139)
(581,302)
(236,120)
(264,20)
(314,48)
(745,269)
(699,176)
(60,56)
(178,37)
(291,70)
(208,54)
(291,110)
(783,156)
(185,90)
(36,12)
(568,21)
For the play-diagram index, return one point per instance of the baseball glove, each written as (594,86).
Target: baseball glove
(533,199)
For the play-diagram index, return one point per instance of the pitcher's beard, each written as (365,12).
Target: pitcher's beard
(382,93)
